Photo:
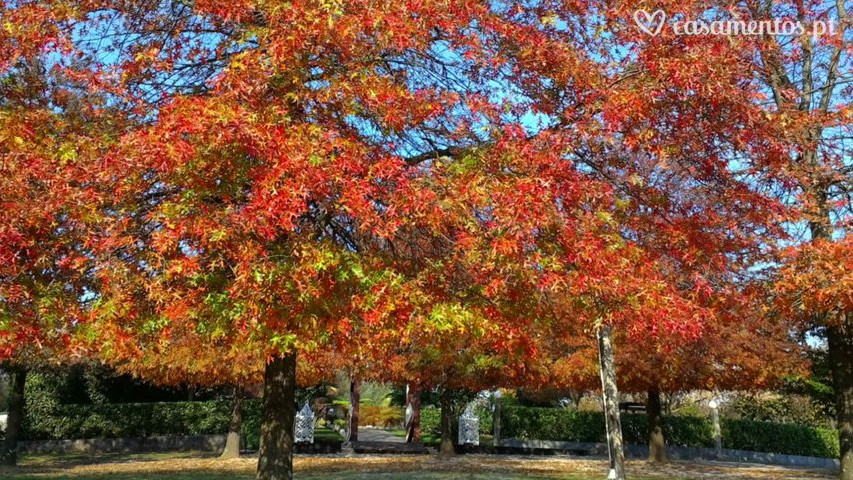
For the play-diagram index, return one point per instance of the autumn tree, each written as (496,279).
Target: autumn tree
(800,84)
(740,349)
(561,265)
(254,205)
(250,196)
(279,152)
(664,125)
(770,112)
(50,135)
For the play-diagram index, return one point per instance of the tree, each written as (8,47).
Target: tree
(643,117)
(534,266)
(745,347)
(564,160)
(254,212)
(740,349)
(50,136)
(801,85)
(814,286)
(182,355)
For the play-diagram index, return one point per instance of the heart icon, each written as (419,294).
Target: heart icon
(651,23)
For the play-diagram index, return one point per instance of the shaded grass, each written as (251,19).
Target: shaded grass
(66,460)
(198,466)
(205,466)
(194,475)
(212,475)
(327,435)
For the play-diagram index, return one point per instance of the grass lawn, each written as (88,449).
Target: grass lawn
(322,434)
(433,439)
(201,466)
(208,475)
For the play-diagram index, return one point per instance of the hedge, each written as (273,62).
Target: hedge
(127,420)
(431,420)
(530,423)
(198,418)
(784,438)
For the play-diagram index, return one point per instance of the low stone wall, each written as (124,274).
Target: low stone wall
(675,453)
(204,443)
(172,443)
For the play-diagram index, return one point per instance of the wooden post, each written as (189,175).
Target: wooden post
(610,396)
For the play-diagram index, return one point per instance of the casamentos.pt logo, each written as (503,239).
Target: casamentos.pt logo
(652,23)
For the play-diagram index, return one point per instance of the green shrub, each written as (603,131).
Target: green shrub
(529,423)
(380,415)
(50,421)
(532,423)
(47,422)
(780,438)
(431,419)
(680,431)
(252,424)
(810,411)
(686,431)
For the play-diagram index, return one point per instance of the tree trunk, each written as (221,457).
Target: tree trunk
(14,423)
(446,447)
(413,429)
(355,403)
(575,396)
(610,395)
(275,460)
(841,359)
(232,443)
(839,336)
(657,442)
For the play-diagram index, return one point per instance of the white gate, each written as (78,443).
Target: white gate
(469,427)
(304,425)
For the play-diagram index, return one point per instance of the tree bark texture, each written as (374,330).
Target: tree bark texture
(611,402)
(275,460)
(235,426)
(15,420)
(657,441)
(841,359)
(447,444)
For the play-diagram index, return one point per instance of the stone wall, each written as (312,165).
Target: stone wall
(204,443)
(675,453)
